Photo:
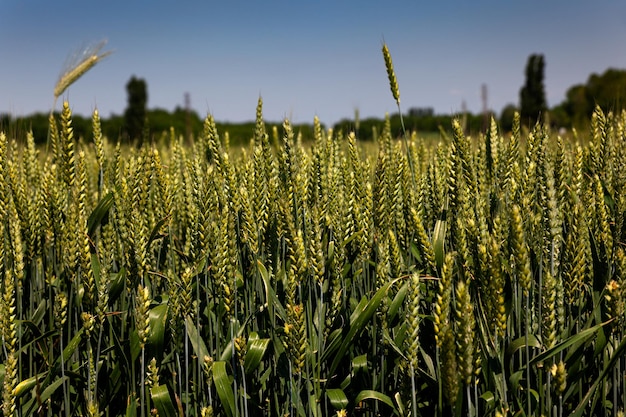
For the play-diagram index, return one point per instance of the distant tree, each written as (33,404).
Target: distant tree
(578,105)
(506,117)
(607,90)
(5,119)
(113,127)
(532,94)
(135,113)
(421,112)
(559,117)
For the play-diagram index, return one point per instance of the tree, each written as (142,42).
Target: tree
(532,94)
(607,90)
(506,117)
(135,113)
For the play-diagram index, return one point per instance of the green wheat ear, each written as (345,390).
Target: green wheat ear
(393,82)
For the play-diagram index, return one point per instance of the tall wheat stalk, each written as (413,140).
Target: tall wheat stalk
(395,92)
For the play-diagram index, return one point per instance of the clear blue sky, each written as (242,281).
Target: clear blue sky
(304,58)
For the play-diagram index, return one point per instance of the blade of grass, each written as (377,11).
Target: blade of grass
(377,396)
(254,355)
(163,401)
(358,320)
(223,386)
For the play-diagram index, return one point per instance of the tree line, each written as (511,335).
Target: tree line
(606,90)
(138,123)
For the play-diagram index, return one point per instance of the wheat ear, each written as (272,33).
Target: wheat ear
(391,74)
(75,71)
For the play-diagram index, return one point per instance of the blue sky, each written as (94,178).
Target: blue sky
(304,58)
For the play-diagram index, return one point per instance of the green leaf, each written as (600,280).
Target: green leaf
(72,345)
(50,389)
(227,353)
(515,378)
(358,320)
(609,367)
(196,340)
(337,398)
(135,345)
(131,406)
(63,359)
(430,365)
(255,353)
(377,396)
(416,253)
(224,390)
(116,285)
(163,401)
(489,398)
(352,237)
(39,313)
(38,337)
(98,213)
(158,323)
(578,337)
(336,336)
(38,397)
(392,342)
(155,233)
(26,385)
(359,364)
(439,239)
(395,305)
(520,343)
(271,300)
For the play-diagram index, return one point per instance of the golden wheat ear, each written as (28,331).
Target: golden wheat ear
(78,65)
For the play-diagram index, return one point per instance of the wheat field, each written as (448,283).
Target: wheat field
(483,275)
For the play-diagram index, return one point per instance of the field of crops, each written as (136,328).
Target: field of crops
(477,276)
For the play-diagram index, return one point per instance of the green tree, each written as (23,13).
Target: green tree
(506,117)
(135,113)
(532,94)
(607,90)
(578,105)
(559,117)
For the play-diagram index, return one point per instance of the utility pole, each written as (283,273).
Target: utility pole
(188,116)
(484,97)
(464,116)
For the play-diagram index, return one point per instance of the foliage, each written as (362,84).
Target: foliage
(507,116)
(532,95)
(135,114)
(607,90)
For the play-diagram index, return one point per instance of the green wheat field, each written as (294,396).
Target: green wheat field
(478,275)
